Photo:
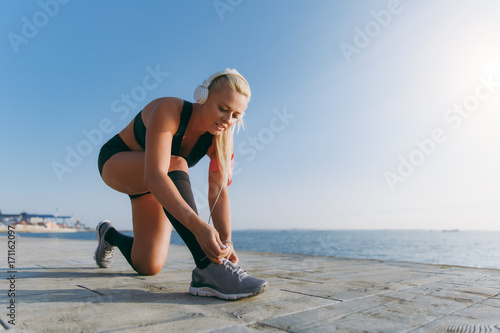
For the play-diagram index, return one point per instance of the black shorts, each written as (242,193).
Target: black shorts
(113,146)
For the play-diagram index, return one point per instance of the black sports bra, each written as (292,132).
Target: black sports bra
(200,148)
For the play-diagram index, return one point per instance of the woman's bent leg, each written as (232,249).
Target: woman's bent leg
(152,232)
(147,251)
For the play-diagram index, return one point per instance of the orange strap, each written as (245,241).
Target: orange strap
(214,166)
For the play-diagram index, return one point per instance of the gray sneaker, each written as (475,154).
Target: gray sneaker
(105,252)
(225,281)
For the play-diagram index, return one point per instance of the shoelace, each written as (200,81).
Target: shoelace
(109,251)
(235,269)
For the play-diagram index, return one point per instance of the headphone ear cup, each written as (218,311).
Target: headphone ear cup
(201,94)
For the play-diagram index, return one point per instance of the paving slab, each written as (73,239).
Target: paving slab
(59,289)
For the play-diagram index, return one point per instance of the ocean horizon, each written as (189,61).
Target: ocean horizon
(479,249)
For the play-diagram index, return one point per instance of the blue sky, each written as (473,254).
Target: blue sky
(366,115)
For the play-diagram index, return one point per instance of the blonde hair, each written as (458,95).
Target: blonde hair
(224,141)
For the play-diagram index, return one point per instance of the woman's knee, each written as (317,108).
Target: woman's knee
(148,267)
(150,260)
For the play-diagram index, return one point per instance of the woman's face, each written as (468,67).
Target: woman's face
(223,108)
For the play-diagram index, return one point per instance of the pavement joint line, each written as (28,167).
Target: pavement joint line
(98,293)
(319,307)
(264,325)
(275,317)
(301,293)
(436,273)
(383,293)
(315,308)
(464,284)
(387,303)
(342,315)
(4,325)
(450,313)
(305,280)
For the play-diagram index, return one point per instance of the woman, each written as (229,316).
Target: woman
(149,161)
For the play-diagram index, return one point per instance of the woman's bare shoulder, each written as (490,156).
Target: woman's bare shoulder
(163,108)
(164,103)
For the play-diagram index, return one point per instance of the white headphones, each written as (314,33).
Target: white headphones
(201,92)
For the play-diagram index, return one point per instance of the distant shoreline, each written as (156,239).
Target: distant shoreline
(22,228)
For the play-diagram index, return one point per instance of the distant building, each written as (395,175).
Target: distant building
(25,222)
(32,218)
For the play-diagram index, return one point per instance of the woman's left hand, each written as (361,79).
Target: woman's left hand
(232,257)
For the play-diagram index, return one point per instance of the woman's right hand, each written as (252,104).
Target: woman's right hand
(208,238)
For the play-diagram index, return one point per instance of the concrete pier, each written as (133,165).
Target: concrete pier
(58,288)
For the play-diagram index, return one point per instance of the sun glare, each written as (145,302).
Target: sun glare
(492,67)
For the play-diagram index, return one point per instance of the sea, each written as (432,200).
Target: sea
(458,248)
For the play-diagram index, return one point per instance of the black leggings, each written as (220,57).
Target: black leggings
(181,181)
(183,185)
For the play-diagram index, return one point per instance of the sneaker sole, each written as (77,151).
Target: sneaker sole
(209,292)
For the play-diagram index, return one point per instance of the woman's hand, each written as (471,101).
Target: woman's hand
(232,257)
(208,238)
